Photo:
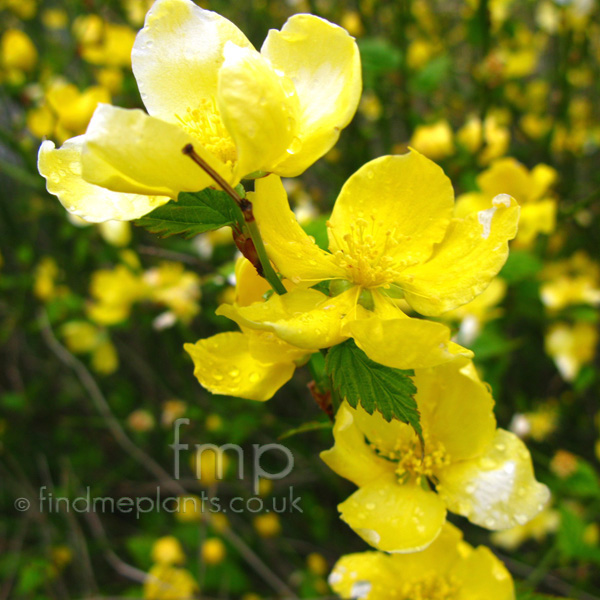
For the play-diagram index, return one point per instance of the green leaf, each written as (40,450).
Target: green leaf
(571,540)
(428,78)
(191,214)
(520,265)
(357,378)
(378,56)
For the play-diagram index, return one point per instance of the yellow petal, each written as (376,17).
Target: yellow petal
(266,347)
(464,428)
(498,490)
(128,151)
(539,217)
(256,108)
(404,343)
(223,364)
(542,178)
(482,575)
(177,56)
(394,517)
(249,285)
(406,202)
(351,457)
(324,63)
(506,176)
(449,568)
(463,264)
(304,318)
(294,253)
(62,170)
(364,575)
(386,436)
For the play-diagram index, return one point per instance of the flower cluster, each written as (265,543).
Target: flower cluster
(397,243)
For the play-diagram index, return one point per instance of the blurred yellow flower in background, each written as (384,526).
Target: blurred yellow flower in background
(65,111)
(435,141)
(572,346)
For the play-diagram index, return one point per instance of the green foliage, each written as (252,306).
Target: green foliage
(520,265)
(191,214)
(359,379)
(571,540)
(378,56)
(432,74)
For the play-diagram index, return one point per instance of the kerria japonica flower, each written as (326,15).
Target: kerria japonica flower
(450,569)
(465,465)
(391,235)
(204,84)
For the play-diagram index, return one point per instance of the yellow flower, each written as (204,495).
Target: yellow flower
(434,141)
(112,48)
(506,175)
(170,284)
(213,551)
(168,550)
(165,582)
(450,569)
(249,364)
(572,281)
(204,84)
(571,346)
(114,291)
(115,233)
(491,137)
(391,234)
(479,472)
(17,51)
(104,358)
(80,336)
(538,528)
(538,425)
(267,525)
(46,274)
(189,509)
(65,111)
(317,563)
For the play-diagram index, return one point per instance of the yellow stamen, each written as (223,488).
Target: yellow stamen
(360,252)
(205,124)
(430,588)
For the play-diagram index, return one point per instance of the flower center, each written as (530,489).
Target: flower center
(365,254)
(430,588)
(413,463)
(205,124)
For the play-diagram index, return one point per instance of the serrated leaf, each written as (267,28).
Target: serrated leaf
(191,214)
(357,378)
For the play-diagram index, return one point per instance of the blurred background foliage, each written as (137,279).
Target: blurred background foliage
(93,318)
